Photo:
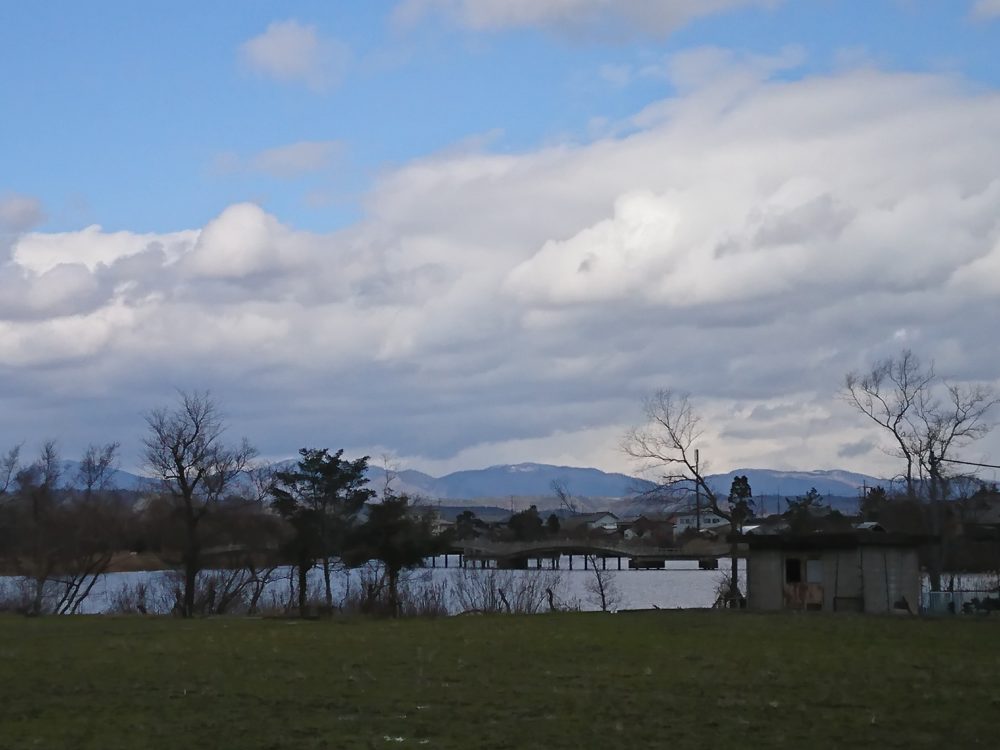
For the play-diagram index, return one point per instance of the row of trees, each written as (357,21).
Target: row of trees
(54,538)
(208,504)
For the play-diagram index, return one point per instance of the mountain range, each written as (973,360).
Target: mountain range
(592,489)
(517,485)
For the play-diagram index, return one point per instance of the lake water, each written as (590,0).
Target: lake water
(681,585)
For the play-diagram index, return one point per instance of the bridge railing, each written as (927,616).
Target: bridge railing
(549,547)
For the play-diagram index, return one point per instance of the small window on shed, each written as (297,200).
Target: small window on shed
(793,570)
(814,571)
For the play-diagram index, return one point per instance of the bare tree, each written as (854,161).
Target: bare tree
(562,494)
(95,524)
(38,555)
(665,444)
(602,586)
(58,539)
(10,464)
(496,590)
(945,424)
(390,473)
(929,420)
(97,467)
(184,451)
(890,394)
(93,529)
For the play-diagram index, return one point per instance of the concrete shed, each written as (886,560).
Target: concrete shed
(863,571)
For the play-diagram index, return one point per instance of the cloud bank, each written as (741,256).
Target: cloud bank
(749,240)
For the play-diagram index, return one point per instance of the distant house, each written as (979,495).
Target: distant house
(439,524)
(651,530)
(869,526)
(860,571)
(587,522)
(688,519)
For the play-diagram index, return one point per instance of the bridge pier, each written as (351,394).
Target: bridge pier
(604,563)
(619,563)
(585,558)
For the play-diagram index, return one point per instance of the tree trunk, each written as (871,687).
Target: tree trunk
(192,562)
(36,602)
(936,557)
(303,584)
(326,583)
(394,592)
(734,577)
(101,568)
(190,582)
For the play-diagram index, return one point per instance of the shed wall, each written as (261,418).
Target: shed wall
(870,578)
(842,581)
(765,577)
(890,575)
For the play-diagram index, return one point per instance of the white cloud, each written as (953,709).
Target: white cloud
(616,75)
(297,158)
(243,240)
(292,52)
(986,9)
(601,17)
(19,212)
(749,240)
(39,252)
(284,162)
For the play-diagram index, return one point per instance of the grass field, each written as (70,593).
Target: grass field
(663,679)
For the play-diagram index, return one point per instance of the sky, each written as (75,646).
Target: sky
(470,232)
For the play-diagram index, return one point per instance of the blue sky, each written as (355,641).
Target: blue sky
(118,111)
(384,216)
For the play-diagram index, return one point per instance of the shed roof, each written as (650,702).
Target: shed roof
(835,540)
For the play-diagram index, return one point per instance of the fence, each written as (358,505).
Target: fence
(960,602)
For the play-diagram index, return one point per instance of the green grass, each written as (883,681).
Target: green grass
(665,679)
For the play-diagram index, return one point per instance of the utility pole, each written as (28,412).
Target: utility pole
(697,492)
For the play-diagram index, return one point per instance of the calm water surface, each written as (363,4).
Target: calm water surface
(682,584)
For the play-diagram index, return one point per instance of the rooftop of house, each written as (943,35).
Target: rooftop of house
(589,517)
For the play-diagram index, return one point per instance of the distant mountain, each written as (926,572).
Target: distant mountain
(516,480)
(520,485)
(119,480)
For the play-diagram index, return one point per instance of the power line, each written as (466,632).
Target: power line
(969,463)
